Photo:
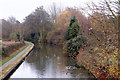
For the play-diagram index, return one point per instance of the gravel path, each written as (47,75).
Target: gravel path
(13,59)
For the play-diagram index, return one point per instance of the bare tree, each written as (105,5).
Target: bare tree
(54,11)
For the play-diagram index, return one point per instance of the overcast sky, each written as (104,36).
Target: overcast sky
(22,8)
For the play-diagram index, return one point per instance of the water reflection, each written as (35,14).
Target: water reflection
(46,61)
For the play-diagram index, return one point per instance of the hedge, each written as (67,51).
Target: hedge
(6,49)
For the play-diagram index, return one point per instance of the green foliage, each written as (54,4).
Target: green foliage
(4,39)
(34,37)
(73,45)
(4,50)
(75,38)
(73,29)
(18,36)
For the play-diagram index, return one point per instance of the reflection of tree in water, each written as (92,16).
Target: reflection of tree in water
(37,58)
(49,60)
(44,56)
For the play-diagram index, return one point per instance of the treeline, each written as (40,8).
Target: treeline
(10,48)
(11,29)
(42,27)
(39,26)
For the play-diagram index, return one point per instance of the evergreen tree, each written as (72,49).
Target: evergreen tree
(75,38)
(73,29)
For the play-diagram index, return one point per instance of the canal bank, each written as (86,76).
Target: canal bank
(49,61)
(17,60)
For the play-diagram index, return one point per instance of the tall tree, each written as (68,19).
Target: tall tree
(37,22)
(73,29)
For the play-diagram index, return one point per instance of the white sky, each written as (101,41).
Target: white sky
(22,8)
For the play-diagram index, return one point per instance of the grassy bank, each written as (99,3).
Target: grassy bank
(12,65)
(9,48)
(6,60)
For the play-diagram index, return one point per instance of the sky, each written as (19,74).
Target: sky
(22,8)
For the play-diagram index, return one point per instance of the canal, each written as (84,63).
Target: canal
(48,61)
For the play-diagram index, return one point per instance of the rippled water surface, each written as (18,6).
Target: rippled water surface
(48,61)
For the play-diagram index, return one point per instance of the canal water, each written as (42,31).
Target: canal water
(48,61)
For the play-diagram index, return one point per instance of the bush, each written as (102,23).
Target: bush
(73,45)
(6,49)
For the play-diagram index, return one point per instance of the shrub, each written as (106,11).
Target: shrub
(73,45)
(6,49)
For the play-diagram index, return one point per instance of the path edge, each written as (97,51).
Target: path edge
(13,69)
